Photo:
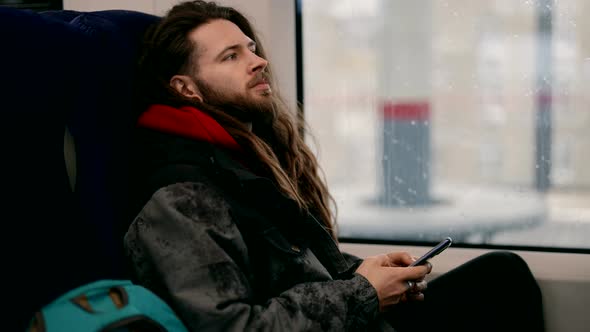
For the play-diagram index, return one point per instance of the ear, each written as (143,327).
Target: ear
(186,87)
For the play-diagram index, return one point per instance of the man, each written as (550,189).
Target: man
(233,224)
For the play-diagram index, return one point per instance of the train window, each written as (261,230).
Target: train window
(453,118)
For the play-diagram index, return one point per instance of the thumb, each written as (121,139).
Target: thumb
(407,259)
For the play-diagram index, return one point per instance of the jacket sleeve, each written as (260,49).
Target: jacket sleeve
(185,247)
(352,260)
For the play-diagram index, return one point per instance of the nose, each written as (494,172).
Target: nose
(258,64)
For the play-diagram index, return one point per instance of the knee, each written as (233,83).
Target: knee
(505,260)
(514,265)
(504,257)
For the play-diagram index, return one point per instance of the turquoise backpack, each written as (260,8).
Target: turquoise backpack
(107,306)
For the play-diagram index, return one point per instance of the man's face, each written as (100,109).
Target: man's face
(229,71)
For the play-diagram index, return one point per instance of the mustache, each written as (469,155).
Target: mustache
(261,77)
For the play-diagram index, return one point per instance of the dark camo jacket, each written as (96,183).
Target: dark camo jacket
(229,252)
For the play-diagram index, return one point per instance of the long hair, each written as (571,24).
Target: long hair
(277,149)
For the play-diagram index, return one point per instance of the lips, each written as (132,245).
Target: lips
(259,81)
(262,85)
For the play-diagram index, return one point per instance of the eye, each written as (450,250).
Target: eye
(231,56)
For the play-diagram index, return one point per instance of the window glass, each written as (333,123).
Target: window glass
(457,118)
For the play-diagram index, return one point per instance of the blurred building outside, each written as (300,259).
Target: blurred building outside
(483,93)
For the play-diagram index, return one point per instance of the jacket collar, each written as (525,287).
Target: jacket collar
(187,122)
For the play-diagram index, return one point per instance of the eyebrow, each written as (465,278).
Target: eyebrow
(234,47)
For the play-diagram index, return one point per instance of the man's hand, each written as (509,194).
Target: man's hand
(392,278)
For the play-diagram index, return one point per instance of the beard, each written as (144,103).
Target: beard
(238,106)
(263,114)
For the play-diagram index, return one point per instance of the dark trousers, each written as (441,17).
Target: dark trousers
(493,292)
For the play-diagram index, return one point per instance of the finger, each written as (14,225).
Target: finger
(403,298)
(415,272)
(400,258)
(420,286)
(410,286)
(415,297)
(429,266)
(416,286)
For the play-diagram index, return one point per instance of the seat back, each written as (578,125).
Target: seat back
(68,77)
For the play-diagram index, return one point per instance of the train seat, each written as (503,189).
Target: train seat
(66,76)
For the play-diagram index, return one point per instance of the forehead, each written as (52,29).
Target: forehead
(213,37)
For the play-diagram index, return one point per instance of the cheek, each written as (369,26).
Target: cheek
(227,82)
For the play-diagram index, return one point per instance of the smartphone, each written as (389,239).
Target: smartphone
(444,244)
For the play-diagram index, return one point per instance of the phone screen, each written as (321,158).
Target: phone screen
(444,244)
